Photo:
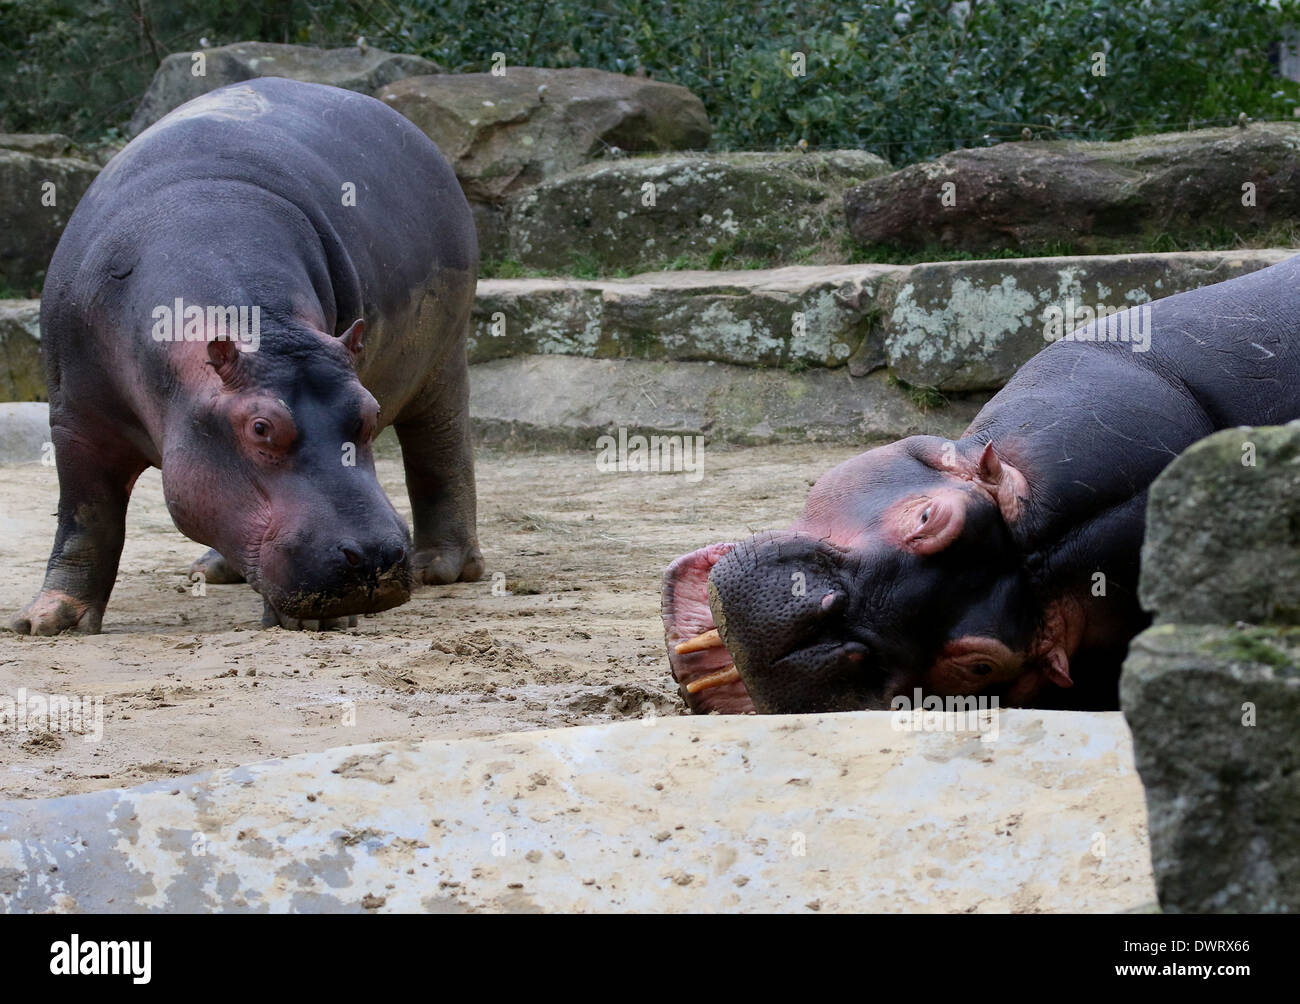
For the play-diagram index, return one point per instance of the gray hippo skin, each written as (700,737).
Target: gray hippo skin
(344,225)
(1003,564)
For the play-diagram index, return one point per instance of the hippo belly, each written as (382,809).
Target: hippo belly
(247,294)
(1003,564)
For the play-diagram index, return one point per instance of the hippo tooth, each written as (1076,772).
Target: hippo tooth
(728,675)
(709,639)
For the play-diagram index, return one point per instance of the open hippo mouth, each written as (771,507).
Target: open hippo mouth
(705,672)
(799,653)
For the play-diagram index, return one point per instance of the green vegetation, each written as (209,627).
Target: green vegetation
(907,79)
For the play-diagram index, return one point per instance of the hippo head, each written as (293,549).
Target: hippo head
(274,470)
(901,573)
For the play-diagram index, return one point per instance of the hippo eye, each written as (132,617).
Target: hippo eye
(261,428)
(981,669)
(925,514)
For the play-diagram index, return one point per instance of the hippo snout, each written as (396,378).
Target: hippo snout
(783,607)
(316,578)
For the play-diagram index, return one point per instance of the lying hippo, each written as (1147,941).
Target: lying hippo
(1004,563)
(247,294)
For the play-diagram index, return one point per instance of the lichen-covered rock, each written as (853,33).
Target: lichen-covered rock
(21,376)
(645,212)
(1223,531)
(505,133)
(37,196)
(51,144)
(1098,196)
(967,325)
(794,317)
(351,68)
(1213,712)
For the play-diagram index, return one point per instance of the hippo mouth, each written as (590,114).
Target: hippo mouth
(290,608)
(706,674)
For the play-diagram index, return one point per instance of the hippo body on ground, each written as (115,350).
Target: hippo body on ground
(341,231)
(1003,564)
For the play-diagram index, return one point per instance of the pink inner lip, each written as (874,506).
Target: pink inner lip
(685,611)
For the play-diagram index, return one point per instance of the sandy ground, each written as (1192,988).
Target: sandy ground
(193,682)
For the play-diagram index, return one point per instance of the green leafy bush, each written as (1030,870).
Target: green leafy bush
(907,79)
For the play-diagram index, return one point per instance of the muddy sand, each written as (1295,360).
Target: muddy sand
(192,683)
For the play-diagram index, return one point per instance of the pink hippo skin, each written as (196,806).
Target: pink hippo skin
(342,224)
(1004,564)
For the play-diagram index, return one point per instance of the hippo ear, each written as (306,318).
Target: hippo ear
(352,338)
(223,354)
(1007,485)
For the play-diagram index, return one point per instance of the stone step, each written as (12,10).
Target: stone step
(828,813)
(765,355)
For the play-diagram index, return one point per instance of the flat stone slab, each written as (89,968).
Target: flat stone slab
(21,376)
(829,813)
(570,402)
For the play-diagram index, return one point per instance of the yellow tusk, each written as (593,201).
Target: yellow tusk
(728,675)
(710,639)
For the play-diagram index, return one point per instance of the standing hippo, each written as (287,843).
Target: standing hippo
(1005,563)
(247,294)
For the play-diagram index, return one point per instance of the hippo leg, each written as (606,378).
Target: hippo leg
(215,569)
(439,466)
(94,488)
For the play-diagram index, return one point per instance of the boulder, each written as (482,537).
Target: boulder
(967,325)
(1223,531)
(21,375)
(794,317)
(1098,197)
(1213,711)
(352,68)
(1212,691)
(568,402)
(755,814)
(24,432)
(505,133)
(642,213)
(30,226)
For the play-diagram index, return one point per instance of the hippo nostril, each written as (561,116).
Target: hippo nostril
(392,554)
(834,602)
(354,557)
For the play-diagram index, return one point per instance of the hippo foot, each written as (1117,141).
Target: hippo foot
(215,570)
(272,617)
(437,566)
(53,612)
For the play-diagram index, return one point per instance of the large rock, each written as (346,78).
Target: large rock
(1223,531)
(644,212)
(1212,699)
(1096,196)
(352,68)
(1213,712)
(798,814)
(505,133)
(21,375)
(966,325)
(794,317)
(29,226)
(24,432)
(569,402)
